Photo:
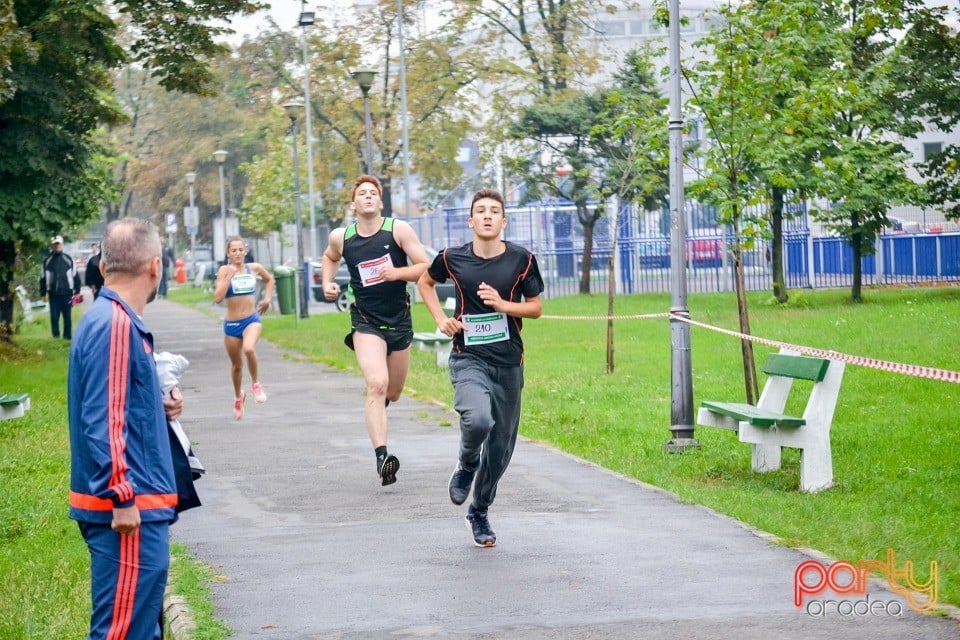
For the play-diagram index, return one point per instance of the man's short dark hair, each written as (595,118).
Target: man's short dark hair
(487,193)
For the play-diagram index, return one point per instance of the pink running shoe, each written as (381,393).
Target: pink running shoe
(238,406)
(258,393)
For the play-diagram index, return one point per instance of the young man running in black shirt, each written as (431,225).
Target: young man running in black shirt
(376,250)
(498,283)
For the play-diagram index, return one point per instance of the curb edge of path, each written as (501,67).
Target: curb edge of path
(178,617)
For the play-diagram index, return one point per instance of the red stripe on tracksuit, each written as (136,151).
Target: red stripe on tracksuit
(125,598)
(117,373)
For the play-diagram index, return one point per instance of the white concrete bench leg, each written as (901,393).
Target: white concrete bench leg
(765,457)
(443,355)
(813,438)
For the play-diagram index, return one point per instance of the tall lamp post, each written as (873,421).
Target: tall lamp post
(192,224)
(364,78)
(221,156)
(405,136)
(306,19)
(681,376)
(292,110)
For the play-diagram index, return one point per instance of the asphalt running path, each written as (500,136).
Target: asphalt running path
(309,546)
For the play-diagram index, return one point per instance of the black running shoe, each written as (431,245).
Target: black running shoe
(479,526)
(460,482)
(388,470)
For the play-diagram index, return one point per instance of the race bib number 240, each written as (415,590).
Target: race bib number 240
(485,328)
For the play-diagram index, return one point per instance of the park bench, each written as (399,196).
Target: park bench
(28,306)
(768,429)
(437,341)
(13,405)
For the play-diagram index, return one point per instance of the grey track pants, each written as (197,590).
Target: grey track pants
(487,397)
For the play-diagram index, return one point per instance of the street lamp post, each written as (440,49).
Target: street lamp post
(405,137)
(191,178)
(681,378)
(364,78)
(221,156)
(292,110)
(306,19)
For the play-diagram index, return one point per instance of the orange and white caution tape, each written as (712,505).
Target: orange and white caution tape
(918,371)
(645,316)
(932,373)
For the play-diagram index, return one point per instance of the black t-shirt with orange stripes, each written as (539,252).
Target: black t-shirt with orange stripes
(514,274)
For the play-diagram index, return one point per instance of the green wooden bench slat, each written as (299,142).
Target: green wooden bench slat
(10,399)
(791,366)
(753,415)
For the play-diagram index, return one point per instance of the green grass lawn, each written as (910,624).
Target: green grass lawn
(44,564)
(896,444)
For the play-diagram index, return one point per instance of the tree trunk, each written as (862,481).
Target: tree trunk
(588,221)
(612,286)
(856,244)
(776,249)
(387,196)
(8,257)
(746,346)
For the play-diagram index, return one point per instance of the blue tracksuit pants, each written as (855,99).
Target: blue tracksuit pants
(128,575)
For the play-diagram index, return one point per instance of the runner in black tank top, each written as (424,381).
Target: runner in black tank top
(498,284)
(381,304)
(377,251)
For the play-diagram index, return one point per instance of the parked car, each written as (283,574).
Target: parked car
(80,259)
(706,252)
(200,261)
(342,278)
(654,253)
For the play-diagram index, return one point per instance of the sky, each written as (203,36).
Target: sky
(285,13)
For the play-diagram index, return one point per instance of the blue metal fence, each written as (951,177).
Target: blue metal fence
(554,234)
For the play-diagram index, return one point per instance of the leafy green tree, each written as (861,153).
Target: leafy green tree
(628,131)
(439,117)
(924,77)
(862,170)
(169,134)
(538,51)
(589,146)
(548,34)
(55,59)
(737,90)
(561,162)
(269,199)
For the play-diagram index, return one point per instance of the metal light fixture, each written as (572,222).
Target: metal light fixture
(221,156)
(293,109)
(306,19)
(306,16)
(192,178)
(364,78)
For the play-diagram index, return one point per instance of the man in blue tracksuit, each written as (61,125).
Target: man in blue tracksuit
(122,488)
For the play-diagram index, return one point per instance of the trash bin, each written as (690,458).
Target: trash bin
(286,289)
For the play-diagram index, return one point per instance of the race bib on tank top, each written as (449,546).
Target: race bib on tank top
(370,270)
(243,283)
